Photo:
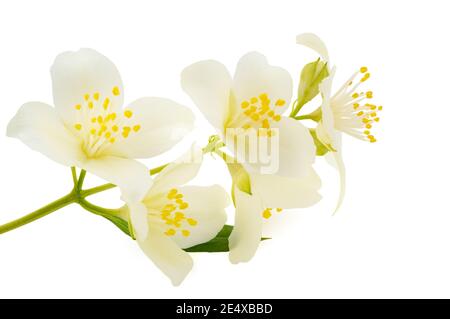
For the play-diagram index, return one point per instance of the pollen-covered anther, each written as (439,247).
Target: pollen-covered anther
(352,115)
(260,113)
(172,214)
(116,91)
(128,113)
(267,213)
(170,232)
(185,232)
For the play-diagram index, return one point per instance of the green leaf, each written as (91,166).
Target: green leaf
(321,149)
(312,74)
(216,245)
(119,222)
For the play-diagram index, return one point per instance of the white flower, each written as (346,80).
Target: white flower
(256,98)
(89,129)
(346,111)
(172,217)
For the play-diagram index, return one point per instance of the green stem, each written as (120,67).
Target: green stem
(99,210)
(81,180)
(74,175)
(97,189)
(41,212)
(316,115)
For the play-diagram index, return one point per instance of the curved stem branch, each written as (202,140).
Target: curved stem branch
(41,212)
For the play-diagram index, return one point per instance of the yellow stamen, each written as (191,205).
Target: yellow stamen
(96,96)
(266,213)
(365,77)
(253,100)
(106,103)
(363,69)
(86,97)
(116,91)
(170,232)
(245,104)
(78,127)
(185,232)
(136,128)
(90,105)
(78,107)
(192,221)
(128,113)
(280,102)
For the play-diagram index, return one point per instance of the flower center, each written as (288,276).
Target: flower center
(267,213)
(352,113)
(173,216)
(99,126)
(258,113)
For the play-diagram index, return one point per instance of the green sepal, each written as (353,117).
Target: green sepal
(120,223)
(240,179)
(311,76)
(218,244)
(321,149)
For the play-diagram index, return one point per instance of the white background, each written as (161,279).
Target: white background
(390,239)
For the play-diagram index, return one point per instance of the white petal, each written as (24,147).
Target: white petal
(246,235)
(39,127)
(161,124)
(75,74)
(326,132)
(179,172)
(286,192)
(167,255)
(255,76)
(313,42)
(293,150)
(132,177)
(208,83)
(138,217)
(335,158)
(207,207)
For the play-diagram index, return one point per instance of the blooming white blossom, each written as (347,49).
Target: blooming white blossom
(256,98)
(347,111)
(172,217)
(89,129)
